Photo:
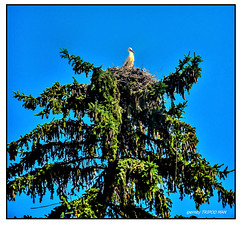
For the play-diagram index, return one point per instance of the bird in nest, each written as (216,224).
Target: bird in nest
(130,59)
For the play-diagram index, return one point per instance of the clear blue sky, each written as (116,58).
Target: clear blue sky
(160,36)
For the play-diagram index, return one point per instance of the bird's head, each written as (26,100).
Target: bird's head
(130,50)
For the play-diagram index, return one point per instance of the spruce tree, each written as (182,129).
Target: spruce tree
(135,150)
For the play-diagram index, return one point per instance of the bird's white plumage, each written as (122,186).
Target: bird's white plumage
(130,59)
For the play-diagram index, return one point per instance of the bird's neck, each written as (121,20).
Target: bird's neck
(130,53)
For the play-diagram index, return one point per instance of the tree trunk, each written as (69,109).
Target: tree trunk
(104,198)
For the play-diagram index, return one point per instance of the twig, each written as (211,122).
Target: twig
(45,205)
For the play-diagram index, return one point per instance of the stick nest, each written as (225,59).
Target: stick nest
(135,78)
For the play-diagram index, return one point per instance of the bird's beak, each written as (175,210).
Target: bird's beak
(132,51)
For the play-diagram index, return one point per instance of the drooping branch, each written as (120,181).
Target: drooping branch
(59,99)
(186,74)
(61,173)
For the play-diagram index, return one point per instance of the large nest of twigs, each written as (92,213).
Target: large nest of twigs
(135,78)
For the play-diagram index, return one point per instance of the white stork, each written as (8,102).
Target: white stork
(130,59)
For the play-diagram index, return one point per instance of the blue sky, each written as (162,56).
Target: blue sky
(160,36)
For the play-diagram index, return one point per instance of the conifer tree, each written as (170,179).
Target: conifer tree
(123,163)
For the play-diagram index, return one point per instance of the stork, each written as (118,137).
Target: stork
(130,59)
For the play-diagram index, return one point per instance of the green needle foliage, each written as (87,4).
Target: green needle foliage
(134,152)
